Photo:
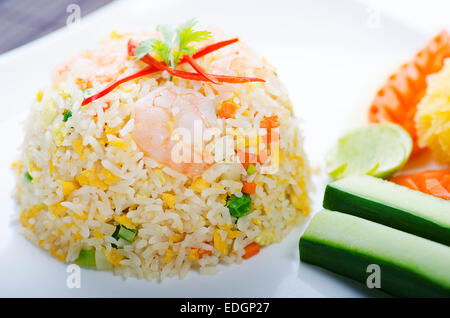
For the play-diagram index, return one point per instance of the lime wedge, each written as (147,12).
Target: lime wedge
(377,150)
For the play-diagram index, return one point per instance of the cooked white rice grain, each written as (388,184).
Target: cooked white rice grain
(89,174)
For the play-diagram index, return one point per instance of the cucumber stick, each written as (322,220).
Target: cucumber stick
(410,266)
(392,205)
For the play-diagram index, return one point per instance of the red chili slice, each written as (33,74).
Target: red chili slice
(201,71)
(156,66)
(145,71)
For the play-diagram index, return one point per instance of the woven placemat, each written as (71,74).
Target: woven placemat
(22,21)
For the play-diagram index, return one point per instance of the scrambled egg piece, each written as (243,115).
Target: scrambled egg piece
(26,215)
(39,95)
(32,167)
(169,199)
(56,209)
(48,113)
(160,175)
(199,185)
(220,244)
(109,177)
(57,253)
(266,237)
(177,238)
(97,234)
(68,187)
(232,234)
(300,202)
(125,221)
(169,256)
(78,147)
(113,257)
(58,137)
(92,178)
(114,35)
(119,144)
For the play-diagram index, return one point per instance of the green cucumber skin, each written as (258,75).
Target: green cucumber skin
(395,280)
(353,204)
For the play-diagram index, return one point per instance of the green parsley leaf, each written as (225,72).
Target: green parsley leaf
(186,35)
(145,47)
(175,42)
(163,50)
(168,32)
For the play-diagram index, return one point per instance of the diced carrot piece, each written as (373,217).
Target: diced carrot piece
(251,250)
(228,109)
(248,187)
(270,122)
(202,252)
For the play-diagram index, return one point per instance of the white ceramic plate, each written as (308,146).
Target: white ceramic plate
(328,54)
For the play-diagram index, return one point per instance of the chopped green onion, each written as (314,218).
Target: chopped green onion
(116,232)
(124,233)
(67,115)
(28,176)
(127,234)
(116,236)
(86,257)
(251,169)
(239,207)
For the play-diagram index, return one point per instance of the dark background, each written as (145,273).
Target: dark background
(22,21)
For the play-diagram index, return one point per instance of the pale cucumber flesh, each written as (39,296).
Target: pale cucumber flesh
(410,266)
(392,205)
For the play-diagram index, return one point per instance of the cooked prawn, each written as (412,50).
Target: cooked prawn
(165,111)
(100,64)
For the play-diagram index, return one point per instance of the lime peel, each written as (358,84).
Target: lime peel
(377,150)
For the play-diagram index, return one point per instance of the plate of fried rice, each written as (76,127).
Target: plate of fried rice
(159,159)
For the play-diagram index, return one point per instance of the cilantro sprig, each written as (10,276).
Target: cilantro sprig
(175,44)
